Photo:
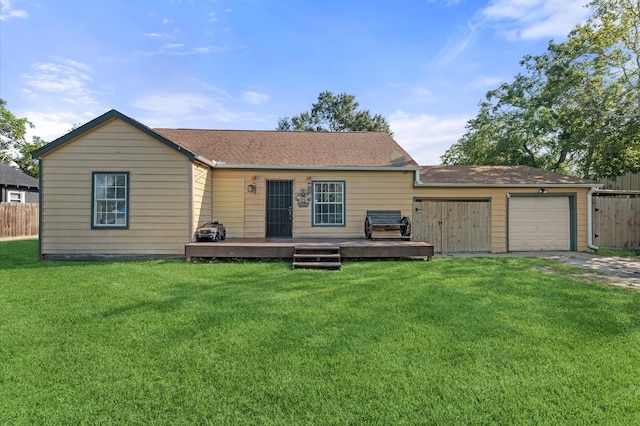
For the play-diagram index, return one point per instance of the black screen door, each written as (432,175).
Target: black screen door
(279,208)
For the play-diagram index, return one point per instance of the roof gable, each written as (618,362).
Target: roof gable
(496,175)
(263,148)
(283,149)
(10,176)
(99,121)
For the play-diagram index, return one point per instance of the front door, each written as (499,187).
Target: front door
(279,208)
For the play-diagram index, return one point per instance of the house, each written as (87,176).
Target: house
(17,187)
(502,208)
(115,187)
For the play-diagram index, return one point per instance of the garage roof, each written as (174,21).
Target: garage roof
(496,175)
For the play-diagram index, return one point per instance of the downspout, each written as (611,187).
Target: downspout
(416,180)
(590,219)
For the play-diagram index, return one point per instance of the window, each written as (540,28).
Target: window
(15,197)
(110,199)
(328,203)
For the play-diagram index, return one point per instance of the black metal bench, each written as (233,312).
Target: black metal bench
(387,220)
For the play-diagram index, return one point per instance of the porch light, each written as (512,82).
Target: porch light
(251,187)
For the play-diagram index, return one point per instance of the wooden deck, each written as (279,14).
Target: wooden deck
(284,248)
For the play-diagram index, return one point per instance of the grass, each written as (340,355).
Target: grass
(452,341)
(617,252)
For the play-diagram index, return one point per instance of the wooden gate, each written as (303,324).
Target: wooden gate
(453,225)
(616,221)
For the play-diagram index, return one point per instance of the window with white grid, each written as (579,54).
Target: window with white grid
(328,203)
(110,199)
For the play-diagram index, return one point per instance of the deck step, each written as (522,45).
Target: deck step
(317,257)
(317,265)
(297,256)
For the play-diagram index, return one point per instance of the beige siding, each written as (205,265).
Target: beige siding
(498,196)
(159,194)
(229,203)
(364,190)
(202,191)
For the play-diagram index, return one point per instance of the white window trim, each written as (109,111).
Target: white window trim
(21,195)
(342,203)
(95,223)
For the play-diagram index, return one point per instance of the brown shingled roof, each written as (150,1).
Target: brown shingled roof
(277,148)
(495,175)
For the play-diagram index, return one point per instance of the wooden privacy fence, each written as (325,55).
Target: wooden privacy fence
(616,221)
(18,220)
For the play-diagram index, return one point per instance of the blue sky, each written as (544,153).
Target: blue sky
(241,64)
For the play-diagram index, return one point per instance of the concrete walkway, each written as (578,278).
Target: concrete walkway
(612,270)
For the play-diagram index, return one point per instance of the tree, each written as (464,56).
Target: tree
(25,161)
(335,114)
(575,109)
(14,147)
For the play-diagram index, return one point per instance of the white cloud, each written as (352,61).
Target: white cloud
(213,109)
(422,92)
(175,104)
(60,95)
(255,98)
(427,137)
(445,2)
(487,82)
(456,45)
(50,126)
(535,19)
(180,49)
(165,21)
(7,11)
(65,75)
(213,17)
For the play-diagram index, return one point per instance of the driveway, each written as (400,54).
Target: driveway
(612,270)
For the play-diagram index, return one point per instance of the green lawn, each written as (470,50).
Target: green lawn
(452,341)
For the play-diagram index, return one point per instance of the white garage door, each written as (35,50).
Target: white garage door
(539,223)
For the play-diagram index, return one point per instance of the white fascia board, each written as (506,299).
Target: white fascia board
(206,161)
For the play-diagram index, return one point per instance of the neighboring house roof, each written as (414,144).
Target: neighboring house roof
(496,176)
(280,148)
(10,176)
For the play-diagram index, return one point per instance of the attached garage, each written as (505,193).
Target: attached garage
(453,225)
(499,209)
(540,223)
